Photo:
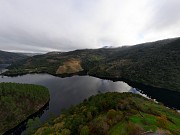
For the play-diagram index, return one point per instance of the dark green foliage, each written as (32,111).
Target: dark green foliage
(32,125)
(101,115)
(155,64)
(9,58)
(18,101)
(84,130)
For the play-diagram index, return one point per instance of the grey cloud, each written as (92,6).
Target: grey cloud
(46,25)
(20,39)
(165,13)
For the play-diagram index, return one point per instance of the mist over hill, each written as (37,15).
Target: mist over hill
(9,57)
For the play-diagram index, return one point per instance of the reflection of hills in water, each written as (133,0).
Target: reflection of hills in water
(65,92)
(107,86)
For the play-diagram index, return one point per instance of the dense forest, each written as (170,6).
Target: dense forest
(114,114)
(9,57)
(18,101)
(156,63)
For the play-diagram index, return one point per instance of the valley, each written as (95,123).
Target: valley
(9,57)
(82,103)
(154,64)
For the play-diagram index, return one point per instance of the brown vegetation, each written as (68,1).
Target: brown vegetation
(71,66)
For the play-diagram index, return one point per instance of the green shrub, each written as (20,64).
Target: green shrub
(84,130)
(111,114)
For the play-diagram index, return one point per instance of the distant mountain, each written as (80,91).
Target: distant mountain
(30,54)
(108,46)
(9,57)
(53,53)
(154,63)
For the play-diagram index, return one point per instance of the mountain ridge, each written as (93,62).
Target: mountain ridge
(10,57)
(155,63)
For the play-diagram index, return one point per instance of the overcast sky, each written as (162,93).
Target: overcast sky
(63,25)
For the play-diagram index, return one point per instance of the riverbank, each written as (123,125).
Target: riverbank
(155,64)
(17,130)
(82,73)
(168,97)
(73,90)
(19,102)
(112,114)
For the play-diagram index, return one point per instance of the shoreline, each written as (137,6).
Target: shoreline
(20,127)
(82,73)
(17,130)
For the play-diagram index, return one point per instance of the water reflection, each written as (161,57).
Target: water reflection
(65,92)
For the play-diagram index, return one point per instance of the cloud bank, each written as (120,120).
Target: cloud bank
(63,25)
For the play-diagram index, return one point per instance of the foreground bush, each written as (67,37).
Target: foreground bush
(114,114)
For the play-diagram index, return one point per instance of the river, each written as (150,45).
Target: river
(68,91)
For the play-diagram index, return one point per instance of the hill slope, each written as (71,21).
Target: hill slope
(18,101)
(156,63)
(114,114)
(8,57)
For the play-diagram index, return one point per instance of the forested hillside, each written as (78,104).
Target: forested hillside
(18,101)
(114,114)
(8,57)
(155,63)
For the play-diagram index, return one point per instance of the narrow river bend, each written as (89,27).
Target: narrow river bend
(68,91)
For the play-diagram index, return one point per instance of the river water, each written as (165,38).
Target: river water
(68,91)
